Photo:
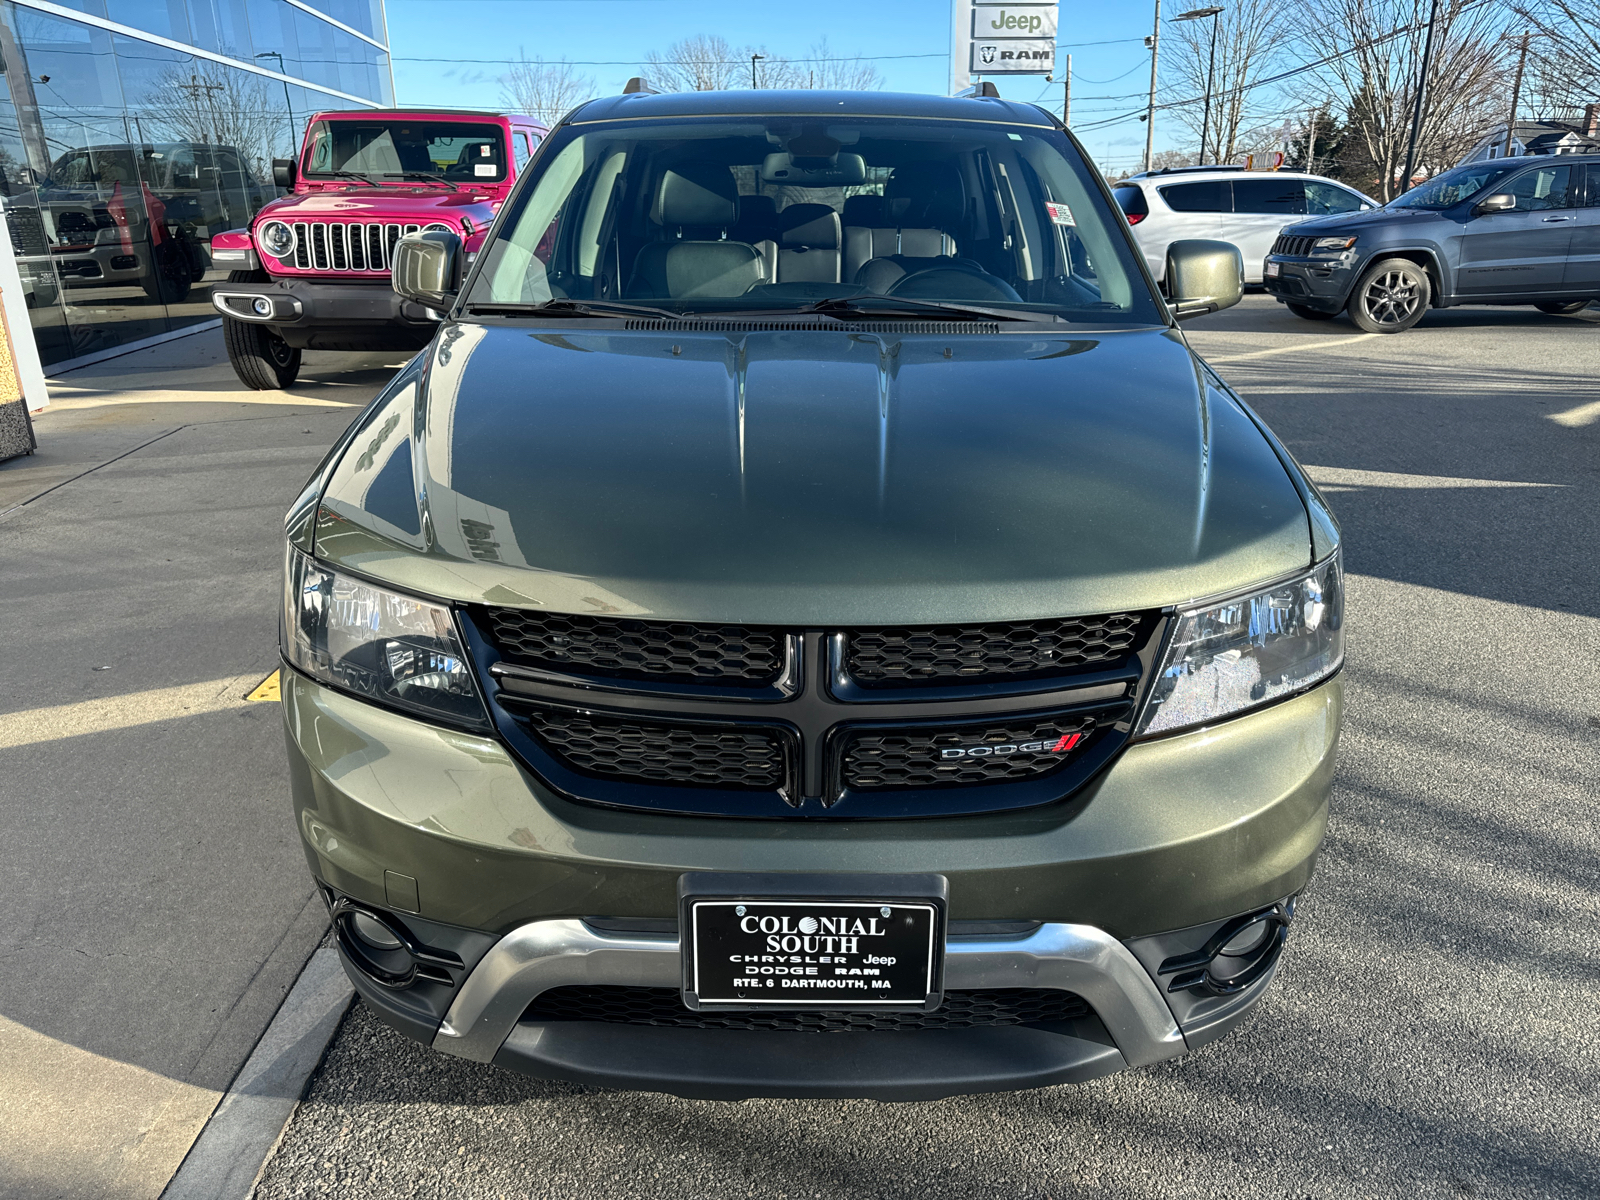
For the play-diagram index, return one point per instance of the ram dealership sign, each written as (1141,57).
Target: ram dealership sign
(1012,39)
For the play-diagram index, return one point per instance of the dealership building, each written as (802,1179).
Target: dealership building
(131,131)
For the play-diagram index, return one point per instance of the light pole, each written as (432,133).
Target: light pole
(1195,14)
(1516,95)
(286,102)
(1422,91)
(1154,41)
(754,59)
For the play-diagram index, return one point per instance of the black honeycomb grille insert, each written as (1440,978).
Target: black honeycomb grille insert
(663,1007)
(998,752)
(689,755)
(905,656)
(630,649)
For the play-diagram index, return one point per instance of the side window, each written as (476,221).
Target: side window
(519,149)
(1196,197)
(1284,197)
(1541,189)
(1325,198)
(1592,190)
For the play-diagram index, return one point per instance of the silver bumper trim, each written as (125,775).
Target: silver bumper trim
(548,954)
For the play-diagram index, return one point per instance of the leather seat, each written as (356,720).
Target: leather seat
(921,204)
(695,206)
(809,246)
(758,225)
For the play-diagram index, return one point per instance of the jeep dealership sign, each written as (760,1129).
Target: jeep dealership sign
(1012,39)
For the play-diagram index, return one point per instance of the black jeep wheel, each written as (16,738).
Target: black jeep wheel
(1310,314)
(1562,308)
(261,359)
(168,280)
(1391,296)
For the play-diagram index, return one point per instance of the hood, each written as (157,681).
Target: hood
(411,204)
(1355,222)
(812,477)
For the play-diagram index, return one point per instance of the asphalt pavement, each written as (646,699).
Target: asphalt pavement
(157,906)
(1432,1031)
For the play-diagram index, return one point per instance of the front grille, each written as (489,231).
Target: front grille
(999,752)
(711,756)
(910,655)
(346,245)
(630,649)
(664,1007)
(1293,247)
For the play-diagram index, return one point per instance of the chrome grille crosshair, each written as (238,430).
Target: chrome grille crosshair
(347,245)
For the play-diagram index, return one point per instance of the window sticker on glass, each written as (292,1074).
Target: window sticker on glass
(1060,214)
(483,169)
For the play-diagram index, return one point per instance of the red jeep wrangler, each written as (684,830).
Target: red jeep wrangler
(312,271)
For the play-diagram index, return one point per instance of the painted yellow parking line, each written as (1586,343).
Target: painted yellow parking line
(35,725)
(1577,418)
(1322,344)
(267,689)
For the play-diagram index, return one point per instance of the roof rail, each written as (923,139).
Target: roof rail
(639,86)
(984,90)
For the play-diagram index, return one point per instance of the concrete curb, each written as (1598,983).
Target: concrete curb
(228,1155)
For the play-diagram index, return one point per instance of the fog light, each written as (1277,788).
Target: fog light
(1238,955)
(261,306)
(374,932)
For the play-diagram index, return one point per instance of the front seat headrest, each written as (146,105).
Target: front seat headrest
(702,196)
(814,225)
(927,195)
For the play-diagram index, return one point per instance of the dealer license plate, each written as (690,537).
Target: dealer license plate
(1271,269)
(813,953)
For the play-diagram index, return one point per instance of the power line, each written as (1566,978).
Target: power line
(634,62)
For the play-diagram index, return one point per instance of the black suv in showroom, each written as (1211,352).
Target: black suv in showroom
(1501,231)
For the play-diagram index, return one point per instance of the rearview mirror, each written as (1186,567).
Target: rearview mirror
(843,170)
(1499,202)
(427,268)
(283,172)
(1203,277)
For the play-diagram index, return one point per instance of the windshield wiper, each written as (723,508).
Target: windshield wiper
(430,177)
(872,304)
(350,175)
(570,308)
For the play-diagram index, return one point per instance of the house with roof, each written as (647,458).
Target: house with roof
(1541,137)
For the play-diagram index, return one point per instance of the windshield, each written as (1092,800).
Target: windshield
(1462,183)
(460,151)
(785,213)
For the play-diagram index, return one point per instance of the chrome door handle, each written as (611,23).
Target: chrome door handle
(1561,219)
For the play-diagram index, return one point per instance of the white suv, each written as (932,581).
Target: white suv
(1228,204)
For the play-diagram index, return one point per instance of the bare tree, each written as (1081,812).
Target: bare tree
(208,103)
(1563,55)
(546,91)
(1251,36)
(703,63)
(822,68)
(1375,79)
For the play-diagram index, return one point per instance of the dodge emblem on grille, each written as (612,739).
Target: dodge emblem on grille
(1066,742)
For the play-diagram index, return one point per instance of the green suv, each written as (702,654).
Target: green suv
(809,625)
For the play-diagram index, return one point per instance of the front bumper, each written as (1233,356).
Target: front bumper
(315,314)
(1322,284)
(447,831)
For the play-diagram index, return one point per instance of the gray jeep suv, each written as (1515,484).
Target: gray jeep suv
(1503,231)
(809,625)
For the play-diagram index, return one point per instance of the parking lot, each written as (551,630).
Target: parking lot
(1431,1033)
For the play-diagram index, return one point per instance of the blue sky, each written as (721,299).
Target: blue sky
(908,39)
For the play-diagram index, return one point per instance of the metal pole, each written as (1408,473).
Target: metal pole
(1422,90)
(1066,99)
(1150,113)
(1211,77)
(754,58)
(1311,146)
(1516,97)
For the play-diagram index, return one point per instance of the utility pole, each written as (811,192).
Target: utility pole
(1150,113)
(1311,146)
(1516,96)
(1066,98)
(1422,91)
(194,87)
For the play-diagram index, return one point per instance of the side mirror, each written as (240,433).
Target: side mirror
(283,172)
(1499,202)
(427,268)
(1203,277)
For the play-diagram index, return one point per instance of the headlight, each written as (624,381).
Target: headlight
(384,647)
(1250,651)
(1332,245)
(276,238)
